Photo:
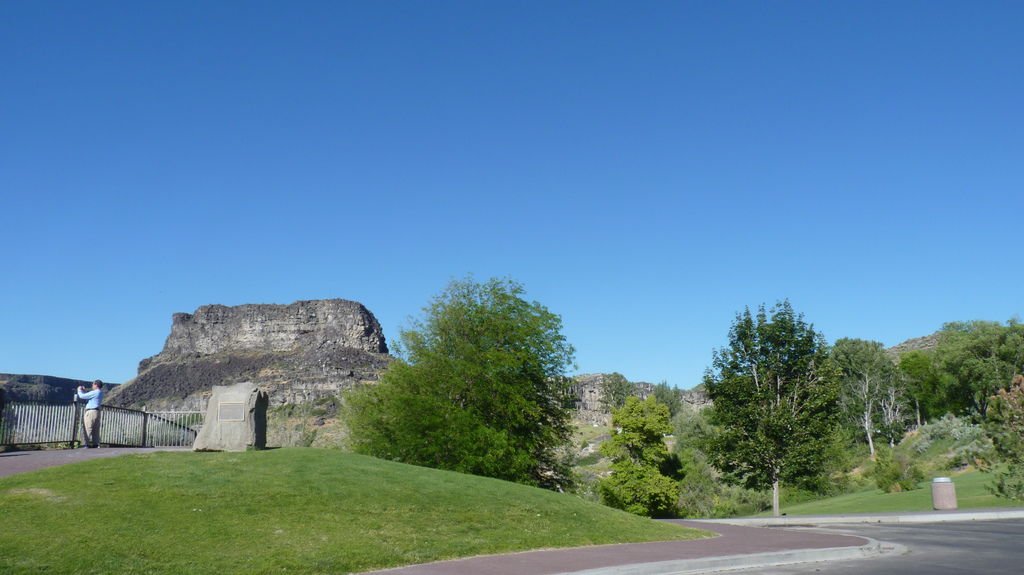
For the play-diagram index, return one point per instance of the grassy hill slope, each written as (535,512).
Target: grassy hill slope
(286,510)
(971,492)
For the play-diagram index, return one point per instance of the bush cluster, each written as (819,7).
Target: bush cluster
(703,494)
(894,472)
(968,442)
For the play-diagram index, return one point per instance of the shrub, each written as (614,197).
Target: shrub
(736,500)
(895,472)
(702,494)
(585,485)
(968,443)
(640,490)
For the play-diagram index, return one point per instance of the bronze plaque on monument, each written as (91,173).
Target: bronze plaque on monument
(230,411)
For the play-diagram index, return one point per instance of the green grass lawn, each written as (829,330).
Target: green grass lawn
(970,490)
(282,511)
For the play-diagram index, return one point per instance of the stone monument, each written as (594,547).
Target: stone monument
(236,419)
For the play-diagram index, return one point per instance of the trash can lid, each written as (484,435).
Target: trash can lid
(942,480)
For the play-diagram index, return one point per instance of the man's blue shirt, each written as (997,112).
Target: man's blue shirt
(94,397)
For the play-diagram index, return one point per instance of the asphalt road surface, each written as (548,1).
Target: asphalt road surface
(977,547)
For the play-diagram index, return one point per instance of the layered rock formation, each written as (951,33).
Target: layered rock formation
(587,397)
(301,353)
(47,388)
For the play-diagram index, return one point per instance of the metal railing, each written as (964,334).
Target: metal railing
(35,423)
(172,428)
(38,423)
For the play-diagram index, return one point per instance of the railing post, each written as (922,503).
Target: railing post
(74,425)
(145,423)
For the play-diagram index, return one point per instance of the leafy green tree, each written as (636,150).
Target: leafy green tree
(700,489)
(692,430)
(775,401)
(479,387)
(1005,424)
(923,384)
(638,453)
(702,493)
(981,358)
(615,388)
(668,396)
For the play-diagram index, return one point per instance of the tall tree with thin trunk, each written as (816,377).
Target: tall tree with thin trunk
(865,371)
(923,383)
(892,403)
(775,393)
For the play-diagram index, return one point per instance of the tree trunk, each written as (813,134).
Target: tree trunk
(775,498)
(867,431)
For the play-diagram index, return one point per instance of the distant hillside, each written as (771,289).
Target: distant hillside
(926,343)
(18,387)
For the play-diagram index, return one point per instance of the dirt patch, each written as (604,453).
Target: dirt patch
(37,493)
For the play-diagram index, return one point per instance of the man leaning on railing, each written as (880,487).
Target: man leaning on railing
(91,417)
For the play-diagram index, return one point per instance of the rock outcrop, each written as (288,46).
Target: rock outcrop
(587,397)
(301,353)
(926,343)
(46,388)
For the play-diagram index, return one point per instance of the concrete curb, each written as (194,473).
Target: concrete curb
(895,518)
(734,547)
(749,561)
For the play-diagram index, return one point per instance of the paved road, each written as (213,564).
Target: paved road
(983,547)
(648,558)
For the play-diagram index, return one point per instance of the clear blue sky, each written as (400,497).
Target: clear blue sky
(645,169)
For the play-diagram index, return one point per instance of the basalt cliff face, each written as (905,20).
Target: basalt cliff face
(301,353)
(587,396)
(45,388)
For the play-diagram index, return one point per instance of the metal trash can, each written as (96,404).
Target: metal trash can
(943,494)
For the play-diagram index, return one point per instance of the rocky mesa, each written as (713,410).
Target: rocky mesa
(301,352)
(45,388)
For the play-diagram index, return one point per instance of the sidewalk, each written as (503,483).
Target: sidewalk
(734,547)
(992,514)
(12,462)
